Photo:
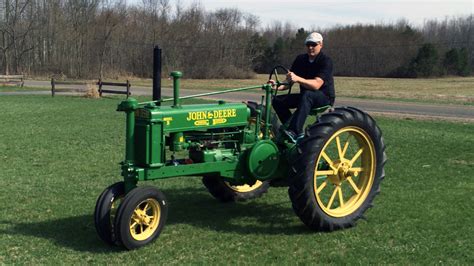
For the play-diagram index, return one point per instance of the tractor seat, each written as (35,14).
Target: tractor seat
(319,110)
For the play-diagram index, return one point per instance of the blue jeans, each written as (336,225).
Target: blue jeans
(303,102)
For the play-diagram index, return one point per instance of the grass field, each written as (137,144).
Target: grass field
(453,90)
(25,88)
(58,154)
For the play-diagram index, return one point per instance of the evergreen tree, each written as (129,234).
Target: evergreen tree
(425,64)
(451,62)
(456,62)
(464,69)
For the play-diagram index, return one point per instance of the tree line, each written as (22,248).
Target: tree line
(109,39)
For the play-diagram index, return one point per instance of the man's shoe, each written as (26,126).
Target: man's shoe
(299,138)
(291,135)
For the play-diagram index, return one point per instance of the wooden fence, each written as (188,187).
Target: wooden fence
(66,87)
(8,80)
(56,86)
(127,85)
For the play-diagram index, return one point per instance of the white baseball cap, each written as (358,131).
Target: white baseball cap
(314,37)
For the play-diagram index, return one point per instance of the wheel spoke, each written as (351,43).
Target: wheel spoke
(324,172)
(328,160)
(135,217)
(321,187)
(356,156)
(136,212)
(346,145)
(133,225)
(146,207)
(355,171)
(331,200)
(341,200)
(353,185)
(339,149)
(147,220)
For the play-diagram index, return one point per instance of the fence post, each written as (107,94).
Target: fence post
(100,87)
(52,87)
(128,88)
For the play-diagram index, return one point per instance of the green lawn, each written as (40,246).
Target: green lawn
(58,154)
(20,89)
(450,90)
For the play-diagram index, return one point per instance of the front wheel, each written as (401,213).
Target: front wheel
(105,210)
(338,169)
(141,217)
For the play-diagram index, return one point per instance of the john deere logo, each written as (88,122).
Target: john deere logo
(205,118)
(225,113)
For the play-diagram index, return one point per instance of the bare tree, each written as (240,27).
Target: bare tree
(14,31)
(91,38)
(112,14)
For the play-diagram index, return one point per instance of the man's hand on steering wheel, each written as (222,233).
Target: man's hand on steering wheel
(292,77)
(282,87)
(278,87)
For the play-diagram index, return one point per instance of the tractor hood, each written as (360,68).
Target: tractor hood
(195,116)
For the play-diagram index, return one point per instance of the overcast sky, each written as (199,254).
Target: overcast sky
(315,14)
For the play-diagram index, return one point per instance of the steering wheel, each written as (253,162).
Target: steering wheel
(278,83)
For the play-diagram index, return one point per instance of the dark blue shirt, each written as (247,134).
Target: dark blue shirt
(321,67)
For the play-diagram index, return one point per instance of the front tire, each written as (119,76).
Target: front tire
(105,210)
(338,169)
(141,217)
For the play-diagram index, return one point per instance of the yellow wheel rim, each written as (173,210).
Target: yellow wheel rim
(145,219)
(344,172)
(114,207)
(245,188)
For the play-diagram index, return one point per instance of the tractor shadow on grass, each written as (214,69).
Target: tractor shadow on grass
(190,206)
(196,207)
(76,233)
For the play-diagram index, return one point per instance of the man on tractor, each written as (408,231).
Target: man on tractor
(314,72)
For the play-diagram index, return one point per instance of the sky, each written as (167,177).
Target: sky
(315,14)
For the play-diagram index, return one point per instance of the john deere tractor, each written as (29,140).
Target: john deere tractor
(332,174)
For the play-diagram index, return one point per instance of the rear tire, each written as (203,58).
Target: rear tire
(226,192)
(338,169)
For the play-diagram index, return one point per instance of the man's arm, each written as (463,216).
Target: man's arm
(311,84)
(318,81)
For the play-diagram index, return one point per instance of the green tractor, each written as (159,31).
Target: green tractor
(332,175)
